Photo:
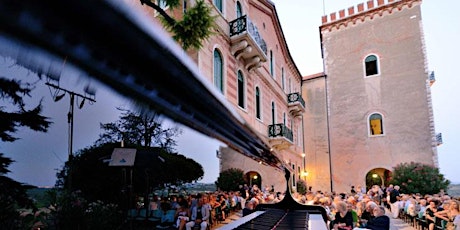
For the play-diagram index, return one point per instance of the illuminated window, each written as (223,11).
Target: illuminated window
(376,124)
(371,65)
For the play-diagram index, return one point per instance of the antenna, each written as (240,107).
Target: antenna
(324,7)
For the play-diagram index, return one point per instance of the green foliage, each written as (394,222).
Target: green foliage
(143,129)
(12,196)
(75,212)
(418,178)
(12,193)
(301,187)
(230,179)
(14,91)
(196,25)
(99,181)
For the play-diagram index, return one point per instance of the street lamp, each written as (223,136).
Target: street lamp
(304,166)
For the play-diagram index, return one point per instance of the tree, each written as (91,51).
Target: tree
(230,179)
(301,187)
(144,129)
(153,168)
(196,24)
(418,178)
(13,91)
(12,193)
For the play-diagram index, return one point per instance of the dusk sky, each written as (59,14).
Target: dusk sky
(38,155)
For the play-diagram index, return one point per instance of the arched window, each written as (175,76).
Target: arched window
(218,71)
(241,94)
(376,124)
(219,5)
(239,10)
(258,103)
(371,65)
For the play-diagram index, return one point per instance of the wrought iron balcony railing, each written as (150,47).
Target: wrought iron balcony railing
(439,139)
(295,97)
(296,104)
(432,78)
(243,24)
(280,130)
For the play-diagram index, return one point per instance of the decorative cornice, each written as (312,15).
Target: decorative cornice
(382,6)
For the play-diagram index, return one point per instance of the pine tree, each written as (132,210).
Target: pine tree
(197,23)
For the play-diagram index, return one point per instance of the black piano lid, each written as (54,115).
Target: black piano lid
(112,42)
(289,204)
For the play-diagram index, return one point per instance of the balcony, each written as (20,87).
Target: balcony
(439,139)
(280,136)
(296,104)
(432,78)
(247,44)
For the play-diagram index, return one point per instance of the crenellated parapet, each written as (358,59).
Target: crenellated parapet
(364,11)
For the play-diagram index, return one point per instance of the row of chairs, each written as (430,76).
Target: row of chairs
(420,222)
(152,216)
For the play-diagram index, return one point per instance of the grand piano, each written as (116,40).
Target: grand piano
(109,41)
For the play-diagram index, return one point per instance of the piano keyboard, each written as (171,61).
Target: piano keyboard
(278,219)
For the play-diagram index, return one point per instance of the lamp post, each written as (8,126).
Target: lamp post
(70,116)
(304,172)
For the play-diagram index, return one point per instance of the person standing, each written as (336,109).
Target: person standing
(394,201)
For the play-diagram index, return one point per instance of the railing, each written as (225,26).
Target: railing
(432,77)
(439,138)
(243,24)
(280,130)
(295,97)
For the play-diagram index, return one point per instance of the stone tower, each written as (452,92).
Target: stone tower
(371,108)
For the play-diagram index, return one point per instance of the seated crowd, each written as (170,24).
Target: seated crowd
(357,209)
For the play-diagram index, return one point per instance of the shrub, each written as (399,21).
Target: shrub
(419,178)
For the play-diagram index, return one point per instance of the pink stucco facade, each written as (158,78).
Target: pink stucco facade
(399,93)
